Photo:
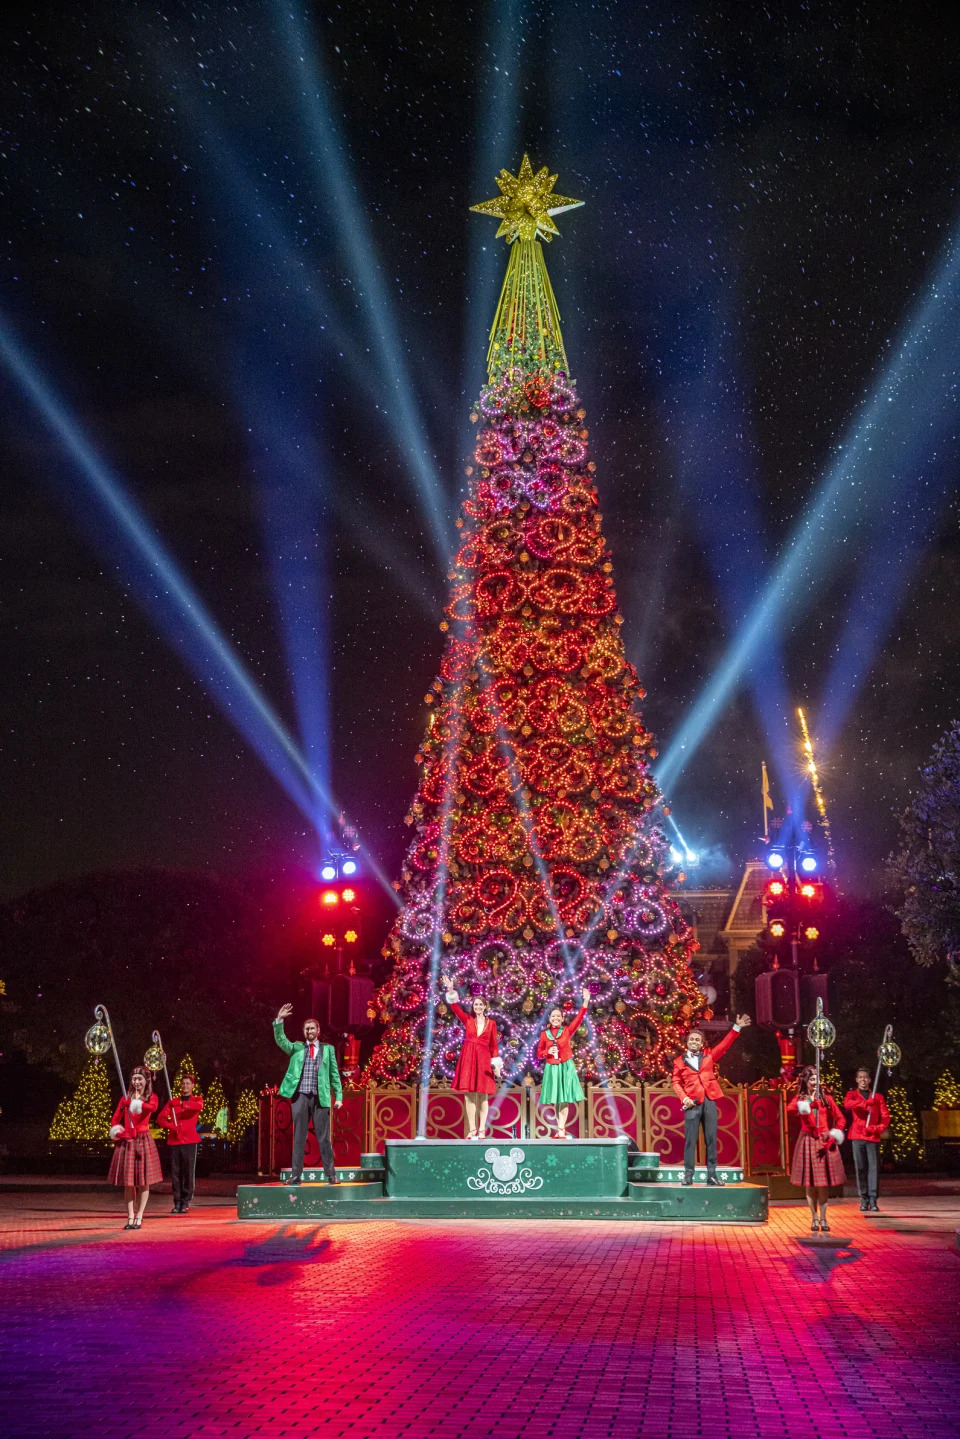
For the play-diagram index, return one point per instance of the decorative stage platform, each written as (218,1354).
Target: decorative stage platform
(508,1179)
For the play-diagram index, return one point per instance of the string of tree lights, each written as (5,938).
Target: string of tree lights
(537,864)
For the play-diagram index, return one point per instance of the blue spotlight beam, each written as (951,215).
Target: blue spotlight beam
(291,503)
(312,88)
(170,599)
(903,424)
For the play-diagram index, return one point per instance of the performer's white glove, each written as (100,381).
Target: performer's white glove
(115,1131)
(451,996)
(803,1106)
(837,1134)
(136,1105)
(496,1064)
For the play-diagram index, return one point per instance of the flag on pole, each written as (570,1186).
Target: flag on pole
(767,801)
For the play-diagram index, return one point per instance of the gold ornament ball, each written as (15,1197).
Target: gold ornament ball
(154,1059)
(97,1038)
(889,1054)
(820,1032)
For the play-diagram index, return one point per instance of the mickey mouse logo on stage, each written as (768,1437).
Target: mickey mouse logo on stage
(504,1165)
(507,1176)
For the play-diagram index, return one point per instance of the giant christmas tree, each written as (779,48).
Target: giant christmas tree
(537,864)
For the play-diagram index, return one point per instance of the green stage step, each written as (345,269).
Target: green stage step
(317,1176)
(672,1174)
(371,1161)
(736,1204)
(506,1169)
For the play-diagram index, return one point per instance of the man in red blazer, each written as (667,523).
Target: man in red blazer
(179,1117)
(698,1089)
(871,1118)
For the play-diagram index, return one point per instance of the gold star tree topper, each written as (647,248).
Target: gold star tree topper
(526,204)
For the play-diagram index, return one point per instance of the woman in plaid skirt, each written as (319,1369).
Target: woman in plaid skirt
(816,1156)
(135,1163)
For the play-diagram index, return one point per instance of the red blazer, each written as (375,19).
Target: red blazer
(133,1124)
(825,1114)
(870,1116)
(489,1035)
(700,1084)
(563,1041)
(180,1117)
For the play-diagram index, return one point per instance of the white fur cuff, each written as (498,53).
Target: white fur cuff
(803,1106)
(837,1134)
(115,1131)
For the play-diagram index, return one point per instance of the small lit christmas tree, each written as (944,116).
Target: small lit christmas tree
(88,1111)
(214,1105)
(946,1092)
(248,1112)
(904,1130)
(185,1066)
(830,1079)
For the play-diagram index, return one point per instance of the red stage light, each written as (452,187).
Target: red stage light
(351,936)
(778,929)
(776,888)
(808,891)
(329,896)
(328,939)
(811,932)
(349,895)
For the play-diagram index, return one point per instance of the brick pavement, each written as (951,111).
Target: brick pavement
(207,1328)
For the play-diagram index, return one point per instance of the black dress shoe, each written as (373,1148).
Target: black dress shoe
(687,1179)
(715,1181)
(294,1179)
(334,1179)
(874,1207)
(864,1206)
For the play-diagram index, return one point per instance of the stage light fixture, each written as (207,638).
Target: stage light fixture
(778,929)
(349,895)
(775,859)
(808,864)
(329,896)
(328,940)
(811,932)
(809,891)
(349,866)
(328,872)
(776,888)
(351,936)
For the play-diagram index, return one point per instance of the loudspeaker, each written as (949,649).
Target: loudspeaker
(812,988)
(350,994)
(778,999)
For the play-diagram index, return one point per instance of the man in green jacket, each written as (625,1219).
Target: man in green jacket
(311,1074)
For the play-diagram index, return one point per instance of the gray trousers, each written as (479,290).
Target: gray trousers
(306,1107)
(866,1164)
(697,1114)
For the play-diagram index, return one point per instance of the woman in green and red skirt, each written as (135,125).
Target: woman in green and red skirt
(561,1086)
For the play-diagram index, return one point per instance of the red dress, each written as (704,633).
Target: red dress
(816,1160)
(474,1071)
(135,1163)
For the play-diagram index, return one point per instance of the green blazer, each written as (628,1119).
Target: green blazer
(328,1075)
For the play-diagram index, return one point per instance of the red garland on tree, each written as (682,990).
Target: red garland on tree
(537,865)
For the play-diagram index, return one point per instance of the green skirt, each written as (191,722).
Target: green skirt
(560,1084)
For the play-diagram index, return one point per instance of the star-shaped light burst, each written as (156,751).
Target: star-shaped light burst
(526,204)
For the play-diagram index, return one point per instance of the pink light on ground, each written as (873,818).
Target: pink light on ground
(207,1327)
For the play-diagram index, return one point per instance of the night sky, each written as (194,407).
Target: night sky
(767,199)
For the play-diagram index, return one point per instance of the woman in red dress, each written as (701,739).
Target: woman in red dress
(479,1065)
(135,1163)
(816,1161)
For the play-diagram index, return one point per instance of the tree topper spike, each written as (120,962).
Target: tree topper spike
(526,203)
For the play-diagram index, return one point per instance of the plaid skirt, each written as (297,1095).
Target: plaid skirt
(136,1163)
(814,1166)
